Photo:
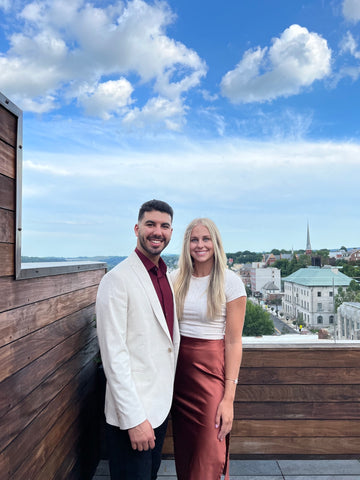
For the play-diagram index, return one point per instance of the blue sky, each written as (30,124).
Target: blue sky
(243,111)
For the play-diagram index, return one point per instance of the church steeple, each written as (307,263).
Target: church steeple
(308,244)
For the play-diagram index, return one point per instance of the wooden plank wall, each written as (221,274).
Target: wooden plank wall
(296,402)
(48,375)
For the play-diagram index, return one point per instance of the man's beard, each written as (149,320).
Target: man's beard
(153,250)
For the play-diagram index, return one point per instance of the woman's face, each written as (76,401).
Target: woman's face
(201,245)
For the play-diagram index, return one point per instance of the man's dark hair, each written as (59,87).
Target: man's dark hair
(157,205)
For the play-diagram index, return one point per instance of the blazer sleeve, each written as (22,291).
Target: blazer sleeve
(111,319)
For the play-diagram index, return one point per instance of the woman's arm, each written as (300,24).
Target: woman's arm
(235,315)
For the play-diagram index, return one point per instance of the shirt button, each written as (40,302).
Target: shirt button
(169,350)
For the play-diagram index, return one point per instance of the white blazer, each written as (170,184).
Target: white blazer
(137,352)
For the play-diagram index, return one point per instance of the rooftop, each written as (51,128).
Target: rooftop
(268,470)
(319,277)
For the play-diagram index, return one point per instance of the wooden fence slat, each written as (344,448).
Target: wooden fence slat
(21,321)
(296,446)
(291,428)
(24,292)
(300,410)
(298,393)
(296,428)
(8,126)
(18,354)
(18,386)
(23,413)
(321,355)
(39,458)
(7,160)
(7,191)
(301,376)
(7,261)
(31,437)
(7,226)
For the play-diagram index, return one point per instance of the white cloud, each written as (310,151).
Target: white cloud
(5,4)
(75,50)
(351,10)
(107,97)
(158,110)
(349,45)
(43,168)
(294,61)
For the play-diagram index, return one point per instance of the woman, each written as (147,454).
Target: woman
(211,303)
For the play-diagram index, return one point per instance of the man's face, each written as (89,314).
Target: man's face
(153,233)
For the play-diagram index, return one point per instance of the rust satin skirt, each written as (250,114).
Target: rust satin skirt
(199,388)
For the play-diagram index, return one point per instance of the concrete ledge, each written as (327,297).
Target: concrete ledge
(45,269)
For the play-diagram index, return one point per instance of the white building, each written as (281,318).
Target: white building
(309,295)
(348,321)
(261,276)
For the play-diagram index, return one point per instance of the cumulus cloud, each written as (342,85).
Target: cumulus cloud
(95,56)
(351,10)
(107,98)
(294,60)
(158,110)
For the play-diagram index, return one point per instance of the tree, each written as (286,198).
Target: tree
(257,321)
(351,294)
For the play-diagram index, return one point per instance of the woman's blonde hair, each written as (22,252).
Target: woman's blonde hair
(216,288)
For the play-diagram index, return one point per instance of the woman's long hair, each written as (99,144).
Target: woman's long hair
(216,288)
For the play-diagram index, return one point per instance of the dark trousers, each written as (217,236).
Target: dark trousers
(128,464)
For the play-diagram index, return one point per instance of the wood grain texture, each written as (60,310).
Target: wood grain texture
(7,160)
(30,439)
(17,355)
(7,191)
(24,292)
(7,226)
(295,446)
(301,376)
(321,355)
(296,393)
(7,261)
(297,410)
(8,126)
(296,428)
(18,322)
(25,411)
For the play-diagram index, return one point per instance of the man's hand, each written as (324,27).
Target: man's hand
(142,437)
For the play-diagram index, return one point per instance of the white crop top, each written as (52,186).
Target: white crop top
(194,322)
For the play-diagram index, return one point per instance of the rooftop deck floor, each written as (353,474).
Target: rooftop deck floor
(268,470)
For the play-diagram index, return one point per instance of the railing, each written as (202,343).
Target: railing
(297,401)
(48,377)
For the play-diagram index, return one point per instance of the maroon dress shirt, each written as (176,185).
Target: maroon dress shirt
(162,287)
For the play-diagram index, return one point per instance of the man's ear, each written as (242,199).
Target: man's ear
(136,230)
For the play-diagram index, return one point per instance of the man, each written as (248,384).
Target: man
(139,341)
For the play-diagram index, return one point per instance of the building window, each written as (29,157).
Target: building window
(319,294)
(319,319)
(330,294)
(331,319)
(319,307)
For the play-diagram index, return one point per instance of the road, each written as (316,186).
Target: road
(282,327)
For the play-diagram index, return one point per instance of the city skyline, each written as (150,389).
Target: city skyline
(246,113)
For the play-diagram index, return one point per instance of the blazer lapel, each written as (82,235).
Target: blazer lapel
(146,282)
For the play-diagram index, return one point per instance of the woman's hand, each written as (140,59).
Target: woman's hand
(224,418)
